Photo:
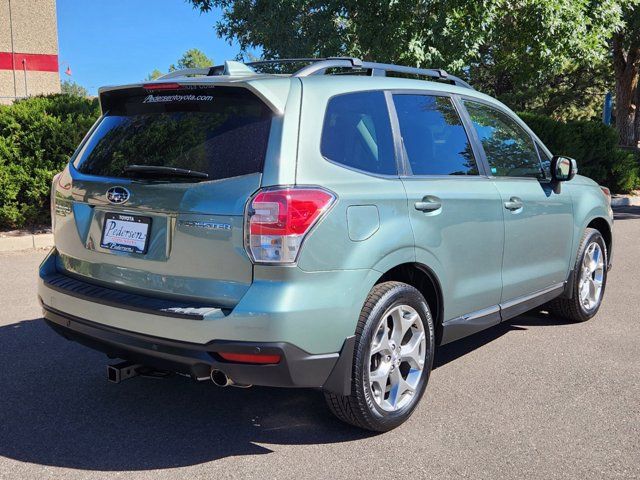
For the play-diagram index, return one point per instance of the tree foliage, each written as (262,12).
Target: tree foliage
(155,74)
(192,58)
(539,55)
(70,87)
(37,136)
(595,145)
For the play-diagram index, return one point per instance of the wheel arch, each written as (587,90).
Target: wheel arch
(426,281)
(590,211)
(602,225)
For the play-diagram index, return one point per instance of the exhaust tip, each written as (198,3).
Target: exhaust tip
(220,378)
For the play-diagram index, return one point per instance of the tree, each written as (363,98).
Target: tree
(548,57)
(154,75)
(193,58)
(69,87)
(626,62)
(511,49)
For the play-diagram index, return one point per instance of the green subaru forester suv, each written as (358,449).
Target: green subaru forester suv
(324,229)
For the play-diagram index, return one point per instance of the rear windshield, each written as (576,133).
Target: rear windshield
(221,132)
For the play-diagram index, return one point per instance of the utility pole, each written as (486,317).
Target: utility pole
(13,54)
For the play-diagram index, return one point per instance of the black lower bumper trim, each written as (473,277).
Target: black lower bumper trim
(297,368)
(126,300)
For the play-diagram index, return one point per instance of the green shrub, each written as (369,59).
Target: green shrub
(595,147)
(37,137)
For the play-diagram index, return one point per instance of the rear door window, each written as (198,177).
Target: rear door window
(357,133)
(434,139)
(220,132)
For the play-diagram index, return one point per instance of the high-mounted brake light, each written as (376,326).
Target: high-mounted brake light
(162,86)
(279,219)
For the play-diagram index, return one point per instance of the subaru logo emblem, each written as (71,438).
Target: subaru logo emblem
(118,195)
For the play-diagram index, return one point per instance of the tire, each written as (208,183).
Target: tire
(576,308)
(369,406)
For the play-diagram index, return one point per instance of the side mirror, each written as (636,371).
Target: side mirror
(563,168)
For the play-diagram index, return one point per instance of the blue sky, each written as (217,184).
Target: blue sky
(120,41)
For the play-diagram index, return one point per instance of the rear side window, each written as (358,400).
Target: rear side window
(434,139)
(357,133)
(221,132)
(509,148)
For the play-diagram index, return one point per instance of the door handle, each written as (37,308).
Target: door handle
(428,204)
(513,204)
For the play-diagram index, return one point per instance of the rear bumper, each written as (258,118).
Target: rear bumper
(282,313)
(315,311)
(297,368)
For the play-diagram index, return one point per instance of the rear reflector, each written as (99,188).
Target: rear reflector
(162,86)
(255,358)
(54,183)
(279,219)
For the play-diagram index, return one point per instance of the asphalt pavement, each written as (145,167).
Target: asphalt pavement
(536,397)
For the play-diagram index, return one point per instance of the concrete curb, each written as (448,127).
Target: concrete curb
(625,201)
(26,242)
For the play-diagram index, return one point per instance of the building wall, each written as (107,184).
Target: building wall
(28,48)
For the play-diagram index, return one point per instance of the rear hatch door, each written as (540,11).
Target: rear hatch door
(153,201)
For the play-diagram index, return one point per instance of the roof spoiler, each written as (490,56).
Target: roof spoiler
(273,95)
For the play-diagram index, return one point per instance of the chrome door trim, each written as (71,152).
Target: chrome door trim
(532,296)
(470,323)
(481,313)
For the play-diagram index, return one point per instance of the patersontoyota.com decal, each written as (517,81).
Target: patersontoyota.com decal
(177,98)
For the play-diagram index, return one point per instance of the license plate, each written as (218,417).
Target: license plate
(125,233)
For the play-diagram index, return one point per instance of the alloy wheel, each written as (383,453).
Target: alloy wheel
(397,357)
(591,277)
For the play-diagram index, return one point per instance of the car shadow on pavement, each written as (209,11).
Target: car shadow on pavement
(459,348)
(56,408)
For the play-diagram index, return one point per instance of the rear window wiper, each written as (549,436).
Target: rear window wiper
(161,171)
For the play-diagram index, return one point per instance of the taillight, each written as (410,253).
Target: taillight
(53,200)
(278,220)
(607,193)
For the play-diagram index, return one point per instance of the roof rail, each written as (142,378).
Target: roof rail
(319,66)
(233,67)
(258,63)
(377,69)
(230,67)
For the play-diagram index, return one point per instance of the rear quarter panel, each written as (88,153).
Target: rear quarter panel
(368,226)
